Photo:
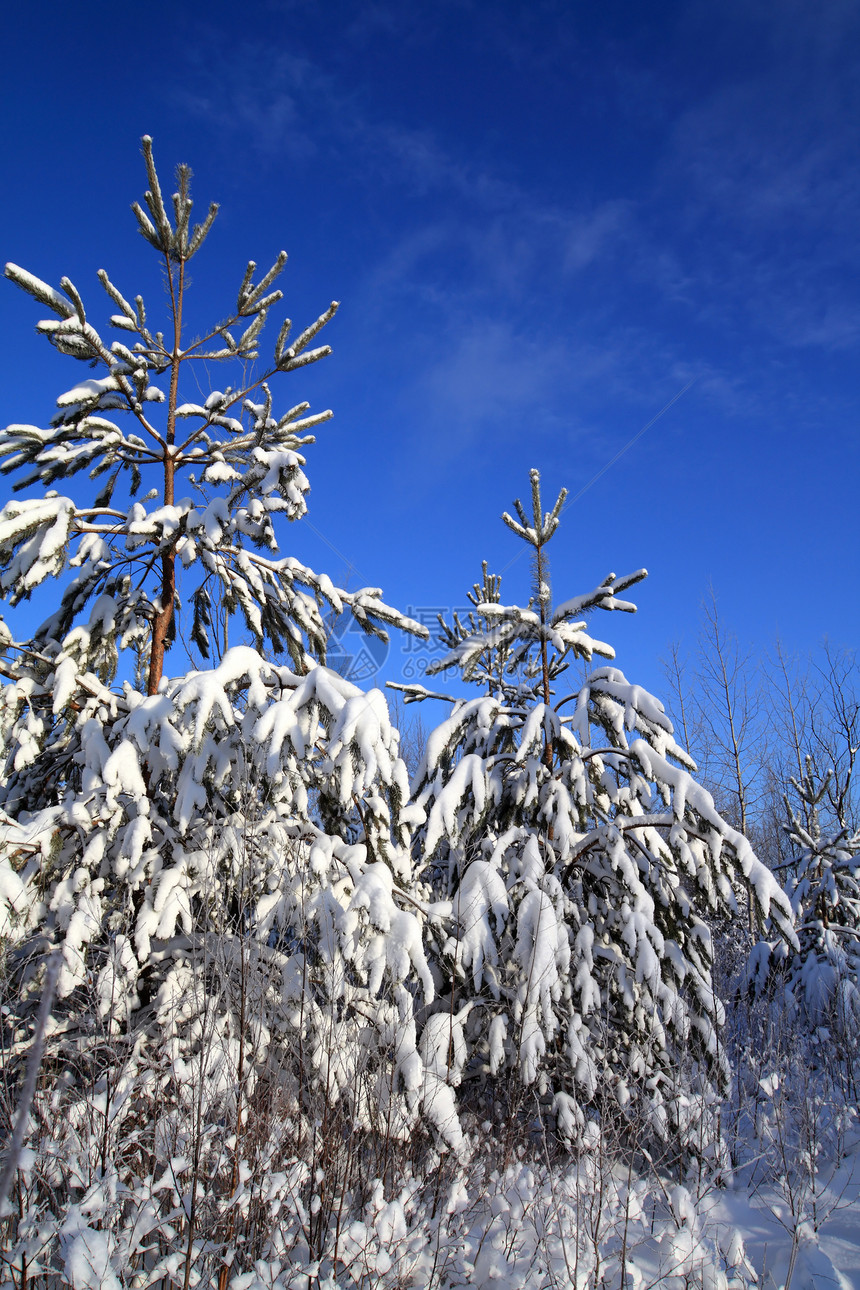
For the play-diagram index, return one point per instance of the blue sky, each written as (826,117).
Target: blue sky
(544,221)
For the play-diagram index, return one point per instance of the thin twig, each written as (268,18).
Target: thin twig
(34,1062)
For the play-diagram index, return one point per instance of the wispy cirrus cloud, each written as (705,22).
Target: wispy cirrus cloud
(761,170)
(504,295)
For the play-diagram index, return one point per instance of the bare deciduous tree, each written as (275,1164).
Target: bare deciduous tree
(733,720)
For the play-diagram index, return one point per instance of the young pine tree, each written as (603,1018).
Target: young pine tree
(582,860)
(218,859)
(822,977)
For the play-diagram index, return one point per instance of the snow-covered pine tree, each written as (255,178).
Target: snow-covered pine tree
(220,858)
(822,976)
(582,859)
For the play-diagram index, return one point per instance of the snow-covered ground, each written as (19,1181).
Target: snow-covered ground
(773,1241)
(596,1227)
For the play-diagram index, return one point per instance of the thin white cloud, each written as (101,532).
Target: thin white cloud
(761,169)
(750,207)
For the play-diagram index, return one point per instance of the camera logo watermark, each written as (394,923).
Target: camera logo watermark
(360,658)
(357,656)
